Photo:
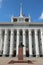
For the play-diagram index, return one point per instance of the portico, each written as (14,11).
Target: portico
(9,43)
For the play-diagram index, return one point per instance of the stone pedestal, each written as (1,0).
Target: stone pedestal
(20,53)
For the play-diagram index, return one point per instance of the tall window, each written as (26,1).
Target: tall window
(14,19)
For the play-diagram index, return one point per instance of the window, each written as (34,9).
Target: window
(26,19)
(21,19)
(15,19)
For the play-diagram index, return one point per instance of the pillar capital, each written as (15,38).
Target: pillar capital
(29,29)
(30,32)
(41,31)
(12,31)
(36,32)
(0,32)
(6,31)
(23,31)
(17,31)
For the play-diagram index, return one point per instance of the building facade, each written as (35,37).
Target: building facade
(21,30)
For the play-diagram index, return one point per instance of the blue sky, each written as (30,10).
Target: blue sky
(9,8)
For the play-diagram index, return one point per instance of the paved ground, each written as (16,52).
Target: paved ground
(36,61)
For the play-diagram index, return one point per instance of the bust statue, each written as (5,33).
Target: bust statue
(21,45)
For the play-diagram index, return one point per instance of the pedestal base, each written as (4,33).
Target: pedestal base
(20,53)
(20,61)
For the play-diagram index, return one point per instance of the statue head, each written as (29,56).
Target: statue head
(21,45)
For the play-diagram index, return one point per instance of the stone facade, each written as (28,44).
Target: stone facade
(21,30)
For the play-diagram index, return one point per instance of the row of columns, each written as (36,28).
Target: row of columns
(42,39)
(24,49)
(1,42)
(5,48)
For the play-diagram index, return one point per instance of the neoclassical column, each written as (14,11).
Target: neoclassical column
(30,42)
(1,42)
(5,48)
(17,42)
(11,42)
(36,43)
(24,43)
(41,32)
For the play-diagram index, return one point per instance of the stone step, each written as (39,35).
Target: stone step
(20,61)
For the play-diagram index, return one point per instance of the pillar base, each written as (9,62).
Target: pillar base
(30,55)
(11,55)
(5,55)
(0,55)
(42,55)
(37,56)
(16,55)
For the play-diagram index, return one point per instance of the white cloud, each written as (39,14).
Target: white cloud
(1,3)
(0,0)
(41,16)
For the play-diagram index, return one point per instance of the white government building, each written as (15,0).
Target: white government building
(21,30)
